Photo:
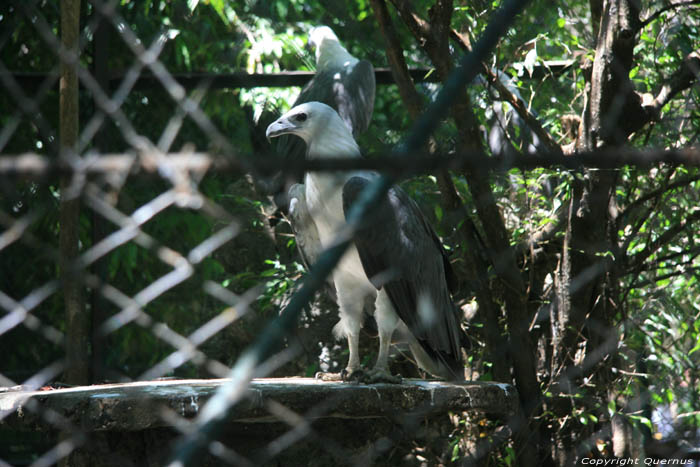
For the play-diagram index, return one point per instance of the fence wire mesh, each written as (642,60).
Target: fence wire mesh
(145,259)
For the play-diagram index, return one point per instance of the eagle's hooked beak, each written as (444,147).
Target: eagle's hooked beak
(279,127)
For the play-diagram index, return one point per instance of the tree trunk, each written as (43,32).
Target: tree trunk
(592,283)
(98,312)
(77,322)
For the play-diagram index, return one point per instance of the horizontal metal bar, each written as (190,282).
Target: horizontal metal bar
(36,166)
(243,80)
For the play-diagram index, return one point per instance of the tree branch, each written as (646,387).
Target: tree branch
(670,275)
(666,8)
(685,181)
(692,252)
(421,29)
(641,219)
(642,111)
(546,234)
(418,26)
(638,259)
(506,95)
(394,53)
(681,79)
(596,9)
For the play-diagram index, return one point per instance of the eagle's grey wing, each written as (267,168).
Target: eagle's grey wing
(303,225)
(349,90)
(354,89)
(400,252)
(305,232)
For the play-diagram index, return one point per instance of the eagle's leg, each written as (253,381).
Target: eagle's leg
(386,324)
(387,321)
(353,336)
(350,306)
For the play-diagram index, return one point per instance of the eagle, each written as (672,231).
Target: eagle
(347,84)
(343,82)
(396,258)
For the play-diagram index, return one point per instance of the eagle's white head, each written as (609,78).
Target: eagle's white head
(329,52)
(325,133)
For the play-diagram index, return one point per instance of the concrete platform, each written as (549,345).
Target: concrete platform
(144,417)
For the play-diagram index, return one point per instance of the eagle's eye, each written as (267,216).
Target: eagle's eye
(300,117)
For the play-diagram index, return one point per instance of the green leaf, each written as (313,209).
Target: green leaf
(694,349)
(218,6)
(642,420)
(185,52)
(455,452)
(282,9)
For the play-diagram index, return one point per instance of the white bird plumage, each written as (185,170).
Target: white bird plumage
(330,53)
(413,297)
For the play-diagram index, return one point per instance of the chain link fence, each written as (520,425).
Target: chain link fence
(136,255)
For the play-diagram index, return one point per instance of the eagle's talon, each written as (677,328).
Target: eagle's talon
(352,375)
(324,376)
(376,376)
